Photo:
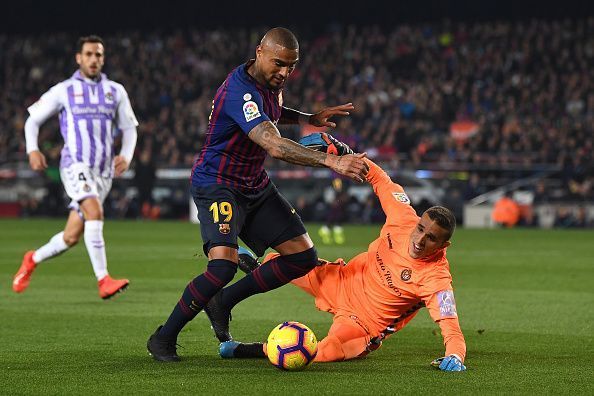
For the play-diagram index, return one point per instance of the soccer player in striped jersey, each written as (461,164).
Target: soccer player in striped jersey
(234,196)
(92,109)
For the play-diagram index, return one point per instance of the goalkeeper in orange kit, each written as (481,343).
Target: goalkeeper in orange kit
(379,291)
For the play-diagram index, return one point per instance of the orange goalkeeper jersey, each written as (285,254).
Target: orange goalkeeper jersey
(385,287)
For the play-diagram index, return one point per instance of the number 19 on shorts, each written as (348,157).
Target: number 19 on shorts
(221,208)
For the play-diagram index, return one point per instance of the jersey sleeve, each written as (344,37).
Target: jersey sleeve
(394,201)
(442,308)
(48,105)
(125,117)
(245,107)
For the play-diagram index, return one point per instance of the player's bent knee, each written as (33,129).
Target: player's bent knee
(305,260)
(330,350)
(222,252)
(91,209)
(223,271)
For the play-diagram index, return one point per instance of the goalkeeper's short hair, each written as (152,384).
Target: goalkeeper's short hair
(444,218)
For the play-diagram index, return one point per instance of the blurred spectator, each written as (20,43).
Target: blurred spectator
(524,86)
(144,179)
(506,211)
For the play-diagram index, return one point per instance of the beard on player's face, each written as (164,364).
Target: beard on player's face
(90,59)
(273,65)
(91,71)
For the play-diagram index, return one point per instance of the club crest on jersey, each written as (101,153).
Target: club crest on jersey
(109,97)
(406,274)
(247,96)
(224,228)
(86,188)
(401,197)
(250,110)
(447,304)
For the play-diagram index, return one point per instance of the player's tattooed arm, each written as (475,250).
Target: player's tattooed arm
(269,138)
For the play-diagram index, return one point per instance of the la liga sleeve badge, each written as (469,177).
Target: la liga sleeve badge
(401,197)
(251,111)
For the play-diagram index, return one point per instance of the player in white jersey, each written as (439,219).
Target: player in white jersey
(91,109)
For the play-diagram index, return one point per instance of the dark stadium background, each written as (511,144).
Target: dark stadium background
(25,19)
(33,16)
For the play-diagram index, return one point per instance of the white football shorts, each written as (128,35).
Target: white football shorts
(81,182)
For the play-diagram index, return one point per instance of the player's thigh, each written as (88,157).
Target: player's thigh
(103,187)
(91,208)
(273,223)
(221,216)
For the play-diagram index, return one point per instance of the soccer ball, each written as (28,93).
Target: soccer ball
(292,346)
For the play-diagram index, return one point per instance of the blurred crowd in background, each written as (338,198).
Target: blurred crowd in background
(492,101)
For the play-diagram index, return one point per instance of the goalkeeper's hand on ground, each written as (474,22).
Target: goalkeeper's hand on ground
(325,143)
(449,363)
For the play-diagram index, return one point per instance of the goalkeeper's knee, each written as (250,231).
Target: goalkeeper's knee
(330,350)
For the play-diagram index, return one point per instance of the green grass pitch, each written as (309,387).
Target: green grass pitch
(525,300)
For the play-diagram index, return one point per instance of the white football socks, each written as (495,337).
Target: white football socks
(55,246)
(96,247)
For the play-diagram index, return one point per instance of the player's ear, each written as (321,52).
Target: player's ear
(78,58)
(446,244)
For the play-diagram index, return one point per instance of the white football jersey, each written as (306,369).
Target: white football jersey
(91,113)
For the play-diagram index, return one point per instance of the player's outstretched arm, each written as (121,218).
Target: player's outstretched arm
(319,119)
(268,137)
(442,308)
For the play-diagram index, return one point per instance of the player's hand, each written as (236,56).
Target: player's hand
(120,164)
(449,363)
(326,143)
(320,119)
(350,165)
(37,160)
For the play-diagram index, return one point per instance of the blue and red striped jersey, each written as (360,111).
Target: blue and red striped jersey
(229,157)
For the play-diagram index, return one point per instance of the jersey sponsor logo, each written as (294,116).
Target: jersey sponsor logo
(247,96)
(224,228)
(386,275)
(447,304)
(406,274)
(401,197)
(251,111)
